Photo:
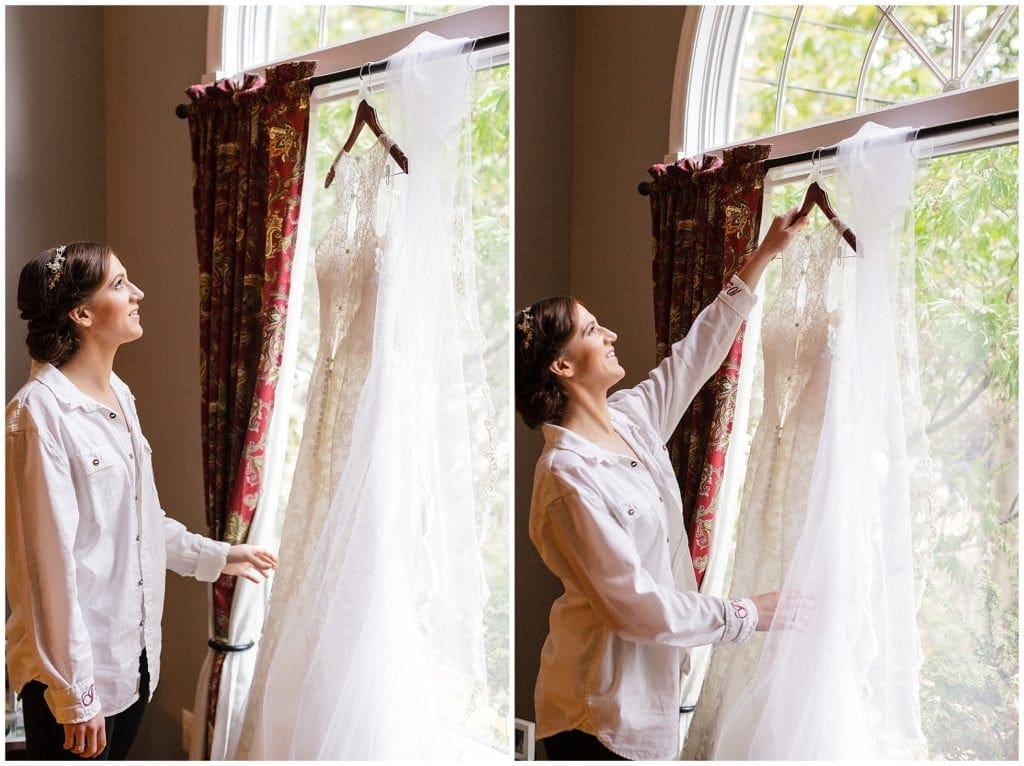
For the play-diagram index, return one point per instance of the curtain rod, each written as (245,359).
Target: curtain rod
(479,44)
(644,187)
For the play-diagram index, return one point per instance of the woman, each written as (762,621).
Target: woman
(606,517)
(87,541)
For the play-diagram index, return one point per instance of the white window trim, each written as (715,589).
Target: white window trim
(704,98)
(221,54)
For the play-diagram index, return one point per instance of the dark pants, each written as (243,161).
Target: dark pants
(576,745)
(44,737)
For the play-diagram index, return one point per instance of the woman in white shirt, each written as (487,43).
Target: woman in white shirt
(87,540)
(606,518)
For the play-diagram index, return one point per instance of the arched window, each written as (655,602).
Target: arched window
(748,72)
(802,77)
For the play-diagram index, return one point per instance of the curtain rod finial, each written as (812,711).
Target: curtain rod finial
(181,110)
(644,188)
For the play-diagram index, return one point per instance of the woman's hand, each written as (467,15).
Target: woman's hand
(249,561)
(784,227)
(797,612)
(87,739)
(766,604)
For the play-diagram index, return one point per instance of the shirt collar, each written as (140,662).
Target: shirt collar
(557,437)
(67,393)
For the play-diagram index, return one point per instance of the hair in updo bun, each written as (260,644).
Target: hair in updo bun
(50,286)
(542,332)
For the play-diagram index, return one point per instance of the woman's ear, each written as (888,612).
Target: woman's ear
(81,316)
(561,367)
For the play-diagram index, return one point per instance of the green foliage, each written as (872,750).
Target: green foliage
(965,229)
(830,45)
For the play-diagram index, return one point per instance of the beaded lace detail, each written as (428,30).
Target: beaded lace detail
(796,343)
(347,265)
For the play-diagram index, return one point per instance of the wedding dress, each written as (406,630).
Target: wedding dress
(797,357)
(828,520)
(373,644)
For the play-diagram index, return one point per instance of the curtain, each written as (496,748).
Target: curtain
(706,216)
(248,152)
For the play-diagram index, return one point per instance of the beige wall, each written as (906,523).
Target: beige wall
(545,43)
(619,85)
(55,146)
(94,151)
(152,55)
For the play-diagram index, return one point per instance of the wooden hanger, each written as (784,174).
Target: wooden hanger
(816,196)
(367,115)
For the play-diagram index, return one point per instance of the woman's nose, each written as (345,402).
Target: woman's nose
(611,336)
(139,295)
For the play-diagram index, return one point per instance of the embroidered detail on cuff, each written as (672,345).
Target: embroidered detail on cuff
(738,297)
(75,704)
(740,619)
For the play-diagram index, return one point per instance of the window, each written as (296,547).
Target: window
(259,34)
(256,35)
(796,77)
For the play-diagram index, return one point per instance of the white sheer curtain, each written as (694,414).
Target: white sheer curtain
(381,652)
(840,679)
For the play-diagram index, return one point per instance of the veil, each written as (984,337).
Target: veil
(382,655)
(838,675)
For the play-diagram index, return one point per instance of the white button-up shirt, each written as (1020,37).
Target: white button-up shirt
(611,528)
(87,548)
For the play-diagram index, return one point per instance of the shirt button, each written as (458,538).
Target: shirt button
(95,461)
(112,416)
(142,623)
(660,500)
(131,455)
(140,583)
(630,511)
(632,463)
(138,537)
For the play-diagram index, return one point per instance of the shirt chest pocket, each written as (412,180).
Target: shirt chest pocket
(102,482)
(641,523)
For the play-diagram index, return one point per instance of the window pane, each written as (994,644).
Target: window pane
(1002,59)
(896,73)
(932,28)
(760,70)
(966,551)
(968,336)
(295,29)
(828,49)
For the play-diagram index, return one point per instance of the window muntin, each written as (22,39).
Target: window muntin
(256,35)
(802,65)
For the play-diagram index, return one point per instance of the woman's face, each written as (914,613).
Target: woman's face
(113,311)
(589,357)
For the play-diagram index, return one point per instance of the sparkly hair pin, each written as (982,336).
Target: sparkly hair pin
(55,265)
(526,327)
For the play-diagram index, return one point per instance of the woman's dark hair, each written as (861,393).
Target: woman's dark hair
(542,332)
(50,286)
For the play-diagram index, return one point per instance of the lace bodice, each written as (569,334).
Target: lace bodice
(796,349)
(347,269)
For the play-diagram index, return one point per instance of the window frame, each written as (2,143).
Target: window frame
(226,38)
(703,103)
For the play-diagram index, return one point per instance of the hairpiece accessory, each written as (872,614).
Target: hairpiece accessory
(55,265)
(526,327)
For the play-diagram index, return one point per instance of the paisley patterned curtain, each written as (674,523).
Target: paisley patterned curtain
(248,154)
(706,216)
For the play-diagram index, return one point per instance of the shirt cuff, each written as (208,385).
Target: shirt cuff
(738,296)
(740,620)
(75,704)
(213,555)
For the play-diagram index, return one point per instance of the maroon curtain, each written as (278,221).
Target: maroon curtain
(706,215)
(248,154)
